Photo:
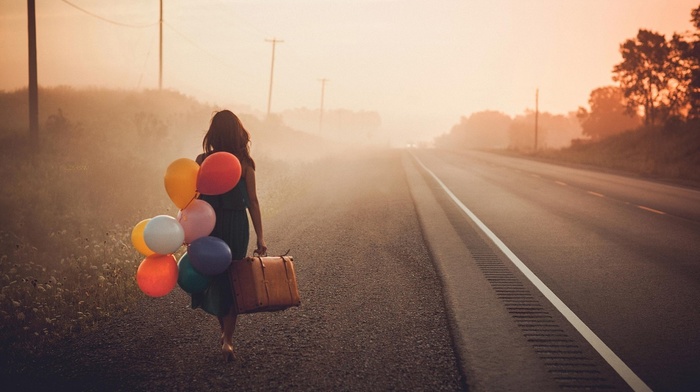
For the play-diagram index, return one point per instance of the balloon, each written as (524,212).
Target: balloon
(219,173)
(209,255)
(197,220)
(188,278)
(157,275)
(181,181)
(163,234)
(137,238)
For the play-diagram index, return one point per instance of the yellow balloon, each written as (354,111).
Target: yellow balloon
(181,181)
(137,238)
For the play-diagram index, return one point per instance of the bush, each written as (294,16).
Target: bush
(669,153)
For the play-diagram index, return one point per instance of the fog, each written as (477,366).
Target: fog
(347,75)
(98,165)
(71,197)
(420,66)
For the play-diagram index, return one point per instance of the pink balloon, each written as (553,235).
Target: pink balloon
(197,220)
(218,174)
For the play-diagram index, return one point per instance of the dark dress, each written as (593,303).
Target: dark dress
(232,227)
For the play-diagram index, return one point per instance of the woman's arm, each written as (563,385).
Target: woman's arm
(254,208)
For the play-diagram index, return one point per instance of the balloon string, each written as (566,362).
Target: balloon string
(196,195)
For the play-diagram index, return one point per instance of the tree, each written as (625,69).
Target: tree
(487,129)
(607,115)
(651,76)
(693,58)
(553,131)
(679,75)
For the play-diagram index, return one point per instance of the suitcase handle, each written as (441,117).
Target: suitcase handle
(286,270)
(265,255)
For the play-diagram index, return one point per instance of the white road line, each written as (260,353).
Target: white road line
(652,210)
(620,367)
(561,183)
(595,194)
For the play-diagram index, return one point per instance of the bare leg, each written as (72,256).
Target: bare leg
(221,324)
(229,325)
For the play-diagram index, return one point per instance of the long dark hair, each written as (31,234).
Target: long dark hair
(226,133)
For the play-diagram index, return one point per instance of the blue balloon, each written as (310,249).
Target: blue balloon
(188,278)
(209,255)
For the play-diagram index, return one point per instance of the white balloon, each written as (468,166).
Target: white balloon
(163,234)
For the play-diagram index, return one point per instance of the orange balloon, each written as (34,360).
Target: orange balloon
(137,238)
(157,275)
(181,181)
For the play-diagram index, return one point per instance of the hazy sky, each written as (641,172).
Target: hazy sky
(420,63)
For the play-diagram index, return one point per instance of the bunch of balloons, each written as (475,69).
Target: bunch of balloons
(158,238)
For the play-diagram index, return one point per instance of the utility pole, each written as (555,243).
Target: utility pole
(323,91)
(33,83)
(537,113)
(272,72)
(160,63)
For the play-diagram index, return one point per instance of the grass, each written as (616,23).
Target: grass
(66,260)
(43,300)
(670,153)
(70,202)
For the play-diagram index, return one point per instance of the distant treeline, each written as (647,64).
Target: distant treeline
(149,118)
(163,120)
(658,86)
(495,130)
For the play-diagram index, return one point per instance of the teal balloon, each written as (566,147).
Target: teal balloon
(188,278)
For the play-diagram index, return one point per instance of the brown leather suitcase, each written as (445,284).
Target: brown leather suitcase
(264,284)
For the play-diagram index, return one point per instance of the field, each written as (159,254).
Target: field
(71,199)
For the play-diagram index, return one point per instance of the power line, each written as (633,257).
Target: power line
(162,22)
(145,62)
(108,20)
(196,45)
(223,7)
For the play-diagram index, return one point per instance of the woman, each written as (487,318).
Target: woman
(226,133)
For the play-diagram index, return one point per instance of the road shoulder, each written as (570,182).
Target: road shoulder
(494,356)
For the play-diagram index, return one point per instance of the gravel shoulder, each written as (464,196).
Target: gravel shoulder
(372,315)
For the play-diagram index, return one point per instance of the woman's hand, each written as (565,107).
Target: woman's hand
(262,248)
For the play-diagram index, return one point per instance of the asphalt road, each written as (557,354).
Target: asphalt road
(622,253)
(401,291)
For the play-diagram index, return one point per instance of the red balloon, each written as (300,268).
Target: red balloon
(157,275)
(218,174)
